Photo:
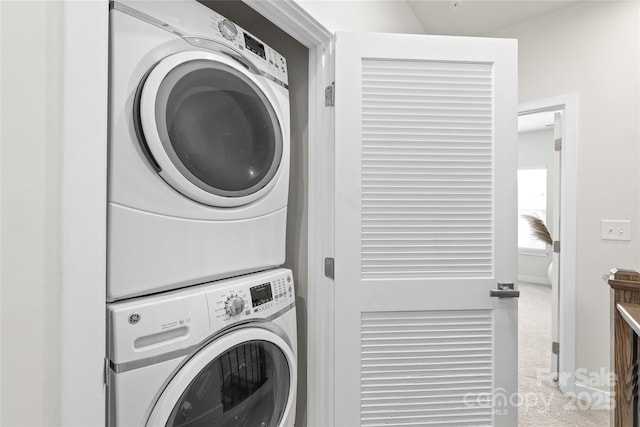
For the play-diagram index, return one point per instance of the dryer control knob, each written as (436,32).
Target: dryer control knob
(228,29)
(234,305)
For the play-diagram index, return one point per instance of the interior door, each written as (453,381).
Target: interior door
(425,228)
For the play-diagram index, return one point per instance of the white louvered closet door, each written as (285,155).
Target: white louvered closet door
(425,228)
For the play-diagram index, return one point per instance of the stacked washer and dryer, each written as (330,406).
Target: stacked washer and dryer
(201,321)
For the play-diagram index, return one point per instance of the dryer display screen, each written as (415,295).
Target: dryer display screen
(254,46)
(261,294)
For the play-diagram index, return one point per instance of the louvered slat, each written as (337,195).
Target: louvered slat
(426,368)
(427,169)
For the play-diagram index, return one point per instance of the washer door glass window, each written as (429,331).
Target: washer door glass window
(247,386)
(218,128)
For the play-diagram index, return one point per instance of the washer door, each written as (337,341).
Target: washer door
(211,127)
(244,379)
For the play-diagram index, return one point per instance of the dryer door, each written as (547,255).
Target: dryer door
(243,379)
(212,128)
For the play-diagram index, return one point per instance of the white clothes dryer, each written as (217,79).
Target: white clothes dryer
(221,355)
(198,149)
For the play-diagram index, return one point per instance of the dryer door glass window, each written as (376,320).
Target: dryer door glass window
(247,386)
(218,128)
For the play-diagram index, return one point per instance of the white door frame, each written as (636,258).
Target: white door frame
(84,206)
(568,104)
(84,213)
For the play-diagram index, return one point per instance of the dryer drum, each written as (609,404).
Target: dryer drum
(247,386)
(217,127)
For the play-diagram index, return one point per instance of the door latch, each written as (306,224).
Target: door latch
(505,290)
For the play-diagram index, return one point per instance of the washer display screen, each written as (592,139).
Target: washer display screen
(261,294)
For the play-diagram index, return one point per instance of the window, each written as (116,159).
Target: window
(532,200)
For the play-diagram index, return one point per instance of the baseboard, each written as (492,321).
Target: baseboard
(534,279)
(598,398)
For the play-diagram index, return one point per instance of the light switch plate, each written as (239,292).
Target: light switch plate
(615,230)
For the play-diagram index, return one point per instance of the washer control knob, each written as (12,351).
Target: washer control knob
(234,305)
(228,29)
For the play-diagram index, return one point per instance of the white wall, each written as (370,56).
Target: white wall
(31,36)
(383,16)
(592,49)
(535,150)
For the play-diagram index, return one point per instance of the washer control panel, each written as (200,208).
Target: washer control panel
(152,325)
(256,299)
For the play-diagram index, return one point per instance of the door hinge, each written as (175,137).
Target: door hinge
(105,372)
(330,95)
(557,145)
(329,268)
(555,347)
(556,246)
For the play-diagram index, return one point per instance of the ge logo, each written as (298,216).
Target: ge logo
(134,318)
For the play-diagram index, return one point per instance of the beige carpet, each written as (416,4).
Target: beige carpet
(542,404)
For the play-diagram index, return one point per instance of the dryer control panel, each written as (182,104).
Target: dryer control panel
(267,59)
(195,20)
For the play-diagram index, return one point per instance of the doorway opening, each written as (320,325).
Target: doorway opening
(538,227)
(557,117)
(562,380)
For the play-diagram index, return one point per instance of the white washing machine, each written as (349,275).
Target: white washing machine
(198,149)
(219,355)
